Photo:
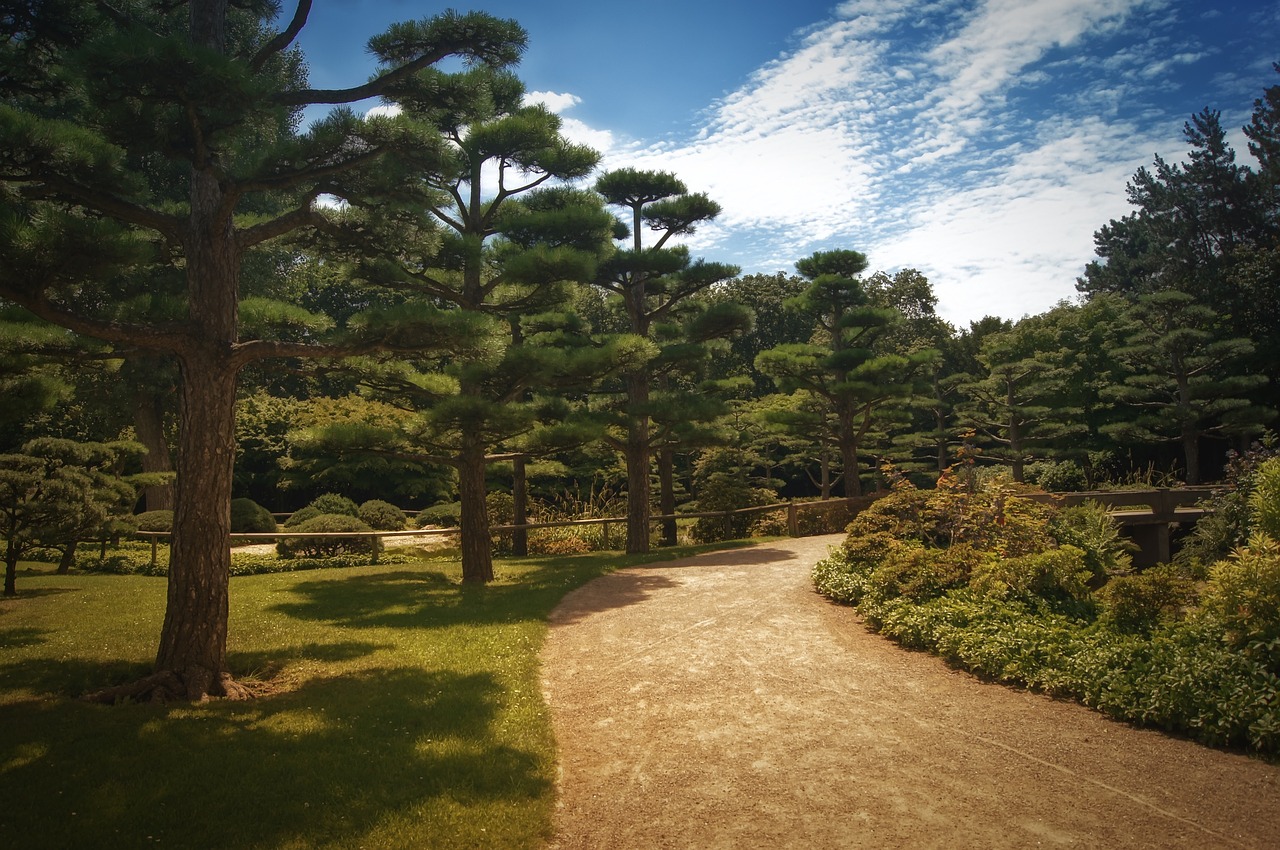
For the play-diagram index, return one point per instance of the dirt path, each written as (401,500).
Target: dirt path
(719,702)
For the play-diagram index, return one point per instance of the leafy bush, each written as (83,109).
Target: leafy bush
(447,515)
(155,521)
(1060,476)
(1095,532)
(501,507)
(1244,594)
(1229,521)
(382,516)
(248,517)
(324,547)
(1139,603)
(138,562)
(332,503)
(1059,577)
(565,540)
(920,573)
(1027,615)
(1265,499)
(301,515)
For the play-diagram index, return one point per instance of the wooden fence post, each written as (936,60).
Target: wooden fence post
(793,519)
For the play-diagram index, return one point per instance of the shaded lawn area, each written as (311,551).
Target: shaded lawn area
(405,711)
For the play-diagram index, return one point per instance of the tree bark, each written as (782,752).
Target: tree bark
(636,456)
(10,570)
(667,494)
(148,422)
(477,554)
(519,508)
(68,558)
(849,455)
(193,640)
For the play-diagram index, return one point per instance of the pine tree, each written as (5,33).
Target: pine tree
(105,105)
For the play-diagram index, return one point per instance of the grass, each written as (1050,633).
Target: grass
(405,711)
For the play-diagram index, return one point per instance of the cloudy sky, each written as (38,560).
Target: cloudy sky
(980,141)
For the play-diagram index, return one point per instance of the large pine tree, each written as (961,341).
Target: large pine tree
(105,106)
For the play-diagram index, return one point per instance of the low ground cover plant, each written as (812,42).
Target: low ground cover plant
(1027,594)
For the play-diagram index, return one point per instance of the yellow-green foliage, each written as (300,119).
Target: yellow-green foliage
(1244,593)
(1265,499)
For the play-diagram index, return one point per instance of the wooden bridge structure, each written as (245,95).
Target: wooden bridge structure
(1148,517)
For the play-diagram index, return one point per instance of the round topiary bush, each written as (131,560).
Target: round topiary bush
(326,547)
(381,515)
(155,521)
(248,517)
(332,503)
(448,515)
(301,515)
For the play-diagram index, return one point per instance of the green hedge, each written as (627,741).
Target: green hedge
(1145,648)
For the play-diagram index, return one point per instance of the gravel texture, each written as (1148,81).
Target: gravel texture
(719,702)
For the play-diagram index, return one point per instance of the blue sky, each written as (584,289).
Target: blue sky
(980,141)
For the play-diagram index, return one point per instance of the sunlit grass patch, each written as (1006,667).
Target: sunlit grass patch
(399,708)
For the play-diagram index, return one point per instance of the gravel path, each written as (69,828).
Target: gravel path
(718,702)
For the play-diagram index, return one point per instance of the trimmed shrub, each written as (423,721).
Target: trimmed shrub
(325,547)
(155,521)
(301,515)
(565,540)
(501,507)
(1057,476)
(918,573)
(382,516)
(1137,604)
(1059,576)
(248,517)
(447,515)
(332,503)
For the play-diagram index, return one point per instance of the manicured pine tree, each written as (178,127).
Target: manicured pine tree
(502,241)
(102,97)
(656,284)
(1185,382)
(1016,405)
(843,365)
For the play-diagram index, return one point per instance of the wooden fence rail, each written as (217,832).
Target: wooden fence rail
(792,509)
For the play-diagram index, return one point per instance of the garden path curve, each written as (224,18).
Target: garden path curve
(719,702)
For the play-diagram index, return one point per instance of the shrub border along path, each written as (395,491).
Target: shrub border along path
(721,702)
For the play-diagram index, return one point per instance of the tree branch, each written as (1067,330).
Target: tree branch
(140,336)
(373,88)
(284,39)
(290,221)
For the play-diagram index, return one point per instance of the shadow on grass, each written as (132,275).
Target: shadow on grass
(406,598)
(72,677)
(22,637)
(324,765)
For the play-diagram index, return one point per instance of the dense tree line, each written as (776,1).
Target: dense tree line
(481,310)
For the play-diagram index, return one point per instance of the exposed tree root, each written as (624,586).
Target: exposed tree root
(194,684)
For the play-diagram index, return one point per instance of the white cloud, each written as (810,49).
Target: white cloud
(387,111)
(555,101)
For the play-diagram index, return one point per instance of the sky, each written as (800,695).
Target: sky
(982,142)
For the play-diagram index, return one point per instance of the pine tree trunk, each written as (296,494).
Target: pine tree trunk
(193,640)
(519,508)
(1191,451)
(10,569)
(667,494)
(636,456)
(477,554)
(849,455)
(191,661)
(148,421)
(68,558)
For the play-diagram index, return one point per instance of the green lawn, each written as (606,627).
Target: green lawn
(406,713)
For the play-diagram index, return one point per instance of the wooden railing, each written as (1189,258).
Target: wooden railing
(792,508)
